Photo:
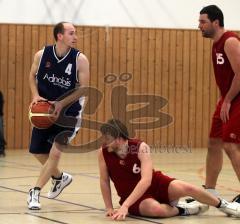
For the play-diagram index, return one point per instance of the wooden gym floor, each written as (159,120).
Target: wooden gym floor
(81,202)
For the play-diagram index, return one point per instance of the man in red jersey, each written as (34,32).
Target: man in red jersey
(225,130)
(142,190)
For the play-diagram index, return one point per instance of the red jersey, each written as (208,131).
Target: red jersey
(126,173)
(222,67)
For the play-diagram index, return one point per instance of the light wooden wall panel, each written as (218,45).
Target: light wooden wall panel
(165,81)
(158,77)
(151,75)
(185,102)
(137,64)
(192,87)
(174,64)
(26,61)
(11,83)
(19,87)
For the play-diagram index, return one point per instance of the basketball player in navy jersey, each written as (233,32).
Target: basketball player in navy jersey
(58,74)
(225,130)
(142,190)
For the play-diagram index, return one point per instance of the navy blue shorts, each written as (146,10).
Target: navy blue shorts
(43,139)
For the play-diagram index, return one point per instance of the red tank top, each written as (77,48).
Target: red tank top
(125,173)
(222,67)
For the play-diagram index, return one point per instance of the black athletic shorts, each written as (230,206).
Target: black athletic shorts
(43,139)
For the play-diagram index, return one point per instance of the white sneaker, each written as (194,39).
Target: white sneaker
(230,208)
(59,185)
(202,207)
(33,199)
(193,208)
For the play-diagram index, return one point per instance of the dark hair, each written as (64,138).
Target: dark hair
(115,128)
(58,28)
(214,13)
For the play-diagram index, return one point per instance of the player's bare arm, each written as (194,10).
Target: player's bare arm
(105,184)
(83,70)
(32,78)
(232,50)
(146,179)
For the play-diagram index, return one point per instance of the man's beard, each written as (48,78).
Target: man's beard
(208,33)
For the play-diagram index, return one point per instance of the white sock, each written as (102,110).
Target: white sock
(212,191)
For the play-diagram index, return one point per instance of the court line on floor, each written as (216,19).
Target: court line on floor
(17,163)
(19,167)
(42,217)
(33,214)
(77,204)
(48,211)
(9,178)
(66,211)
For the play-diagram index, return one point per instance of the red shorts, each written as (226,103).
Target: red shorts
(158,191)
(230,131)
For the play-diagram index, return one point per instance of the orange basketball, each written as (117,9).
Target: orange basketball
(40,115)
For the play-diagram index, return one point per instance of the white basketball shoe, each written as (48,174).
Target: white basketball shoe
(59,185)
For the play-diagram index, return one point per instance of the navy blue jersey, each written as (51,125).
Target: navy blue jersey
(57,77)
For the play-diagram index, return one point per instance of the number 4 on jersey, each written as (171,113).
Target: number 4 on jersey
(68,69)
